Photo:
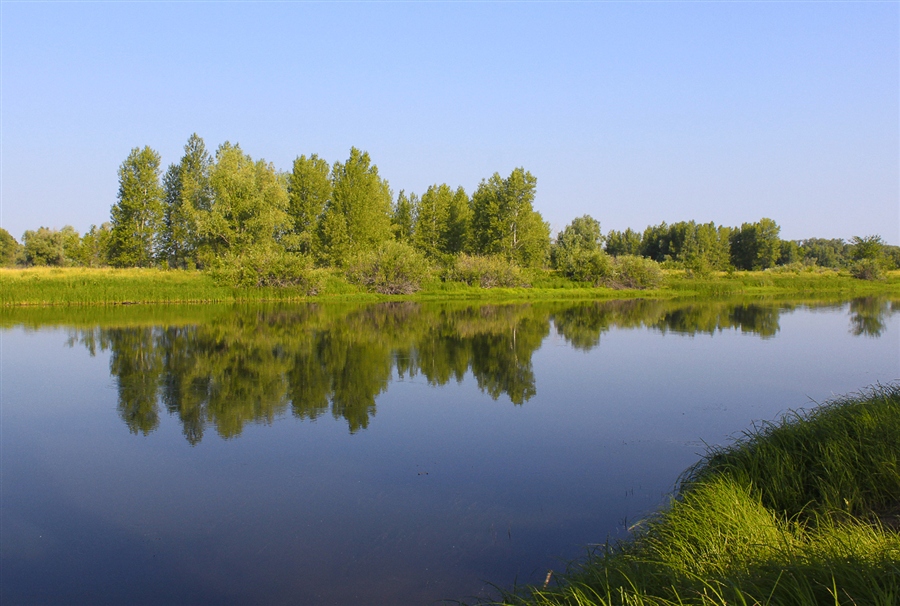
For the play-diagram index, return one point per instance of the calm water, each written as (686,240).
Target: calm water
(385,454)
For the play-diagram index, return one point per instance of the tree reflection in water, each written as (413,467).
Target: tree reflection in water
(254,364)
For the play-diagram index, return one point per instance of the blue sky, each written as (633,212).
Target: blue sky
(634,113)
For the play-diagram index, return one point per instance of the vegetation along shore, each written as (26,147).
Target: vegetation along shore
(805,510)
(255,233)
(111,286)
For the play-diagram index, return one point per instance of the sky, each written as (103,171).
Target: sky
(632,112)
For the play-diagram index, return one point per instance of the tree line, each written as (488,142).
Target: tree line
(254,225)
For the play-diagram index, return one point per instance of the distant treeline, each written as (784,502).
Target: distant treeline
(256,226)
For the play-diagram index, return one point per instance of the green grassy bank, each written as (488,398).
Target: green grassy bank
(803,511)
(84,286)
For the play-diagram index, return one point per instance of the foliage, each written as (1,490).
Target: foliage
(95,246)
(60,248)
(188,196)
(264,267)
(493,271)
(394,268)
(9,249)
(358,216)
(403,217)
(627,242)
(504,221)
(634,272)
(824,252)
(137,215)
(867,269)
(756,245)
(309,190)
(248,214)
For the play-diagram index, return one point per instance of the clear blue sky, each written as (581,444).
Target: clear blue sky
(634,113)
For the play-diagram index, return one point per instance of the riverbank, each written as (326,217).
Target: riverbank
(805,510)
(106,286)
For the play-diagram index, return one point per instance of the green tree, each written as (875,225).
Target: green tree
(459,219)
(358,216)
(505,222)
(704,248)
(247,218)
(824,252)
(188,195)
(756,245)
(9,248)
(137,215)
(309,189)
(95,245)
(578,251)
(432,220)
(403,217)
(866,247)
(48,246)
(626,242)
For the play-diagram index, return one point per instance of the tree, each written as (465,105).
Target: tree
(505,222)
(432,220)
(866,247)
(756,245)
(8,249)
(578,251)
(626,242)
(43,247)
(248,215)
(459,220)
(403,217)
(358,216)
(188,195)
(137,215)
(95,246)
(309,189)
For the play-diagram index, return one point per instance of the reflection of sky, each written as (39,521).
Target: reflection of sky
(446,488)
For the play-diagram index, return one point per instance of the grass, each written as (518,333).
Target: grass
(105,286)
(800,511)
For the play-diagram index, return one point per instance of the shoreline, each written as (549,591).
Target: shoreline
(68,287)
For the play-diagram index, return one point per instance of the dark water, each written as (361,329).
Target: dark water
(384,454)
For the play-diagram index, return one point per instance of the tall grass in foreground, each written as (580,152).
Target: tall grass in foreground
(801,511)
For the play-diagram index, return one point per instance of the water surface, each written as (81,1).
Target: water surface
(392,453)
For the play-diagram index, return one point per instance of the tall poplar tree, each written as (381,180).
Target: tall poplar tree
(403,217)
(432,219)
(505,222)
(137,215)
(309,189)
(358,216)
(188,195)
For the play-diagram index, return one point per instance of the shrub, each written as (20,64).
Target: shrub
(867,269)
(594,266)
(487,272)
(394,268)
(629,271)
(262,268)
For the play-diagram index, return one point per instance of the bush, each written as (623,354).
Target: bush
(594,266)
(867,269)
(394,268)
(262,268)
(487,272)
(629,271)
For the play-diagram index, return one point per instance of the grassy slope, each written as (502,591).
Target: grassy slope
(803,511)
(82,286)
